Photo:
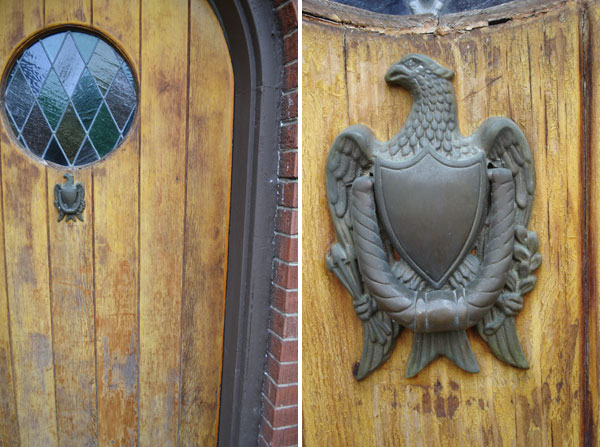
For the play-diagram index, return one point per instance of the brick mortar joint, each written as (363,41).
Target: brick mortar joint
(290,363)
(284,228)
(277,407)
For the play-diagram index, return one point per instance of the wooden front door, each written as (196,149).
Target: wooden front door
(111,328)
(529,66)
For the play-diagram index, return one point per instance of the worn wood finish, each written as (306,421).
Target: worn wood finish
(210,106)
(111,329)
(528,70)
(9,434)
(116,224)
(591,97)
(71,266)
(24,206)
(162,196)
(67,11)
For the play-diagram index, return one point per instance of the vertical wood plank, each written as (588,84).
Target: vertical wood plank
(9,429)
(529,70)
(328,386)
(72,292)
(24,206)
(162,195)
(116,256)
(210,110)
(68,11)
(592,116)
(70,249)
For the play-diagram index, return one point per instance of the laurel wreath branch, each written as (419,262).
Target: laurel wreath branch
(520,280)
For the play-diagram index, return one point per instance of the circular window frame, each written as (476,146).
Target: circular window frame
(465,21)
(29,41)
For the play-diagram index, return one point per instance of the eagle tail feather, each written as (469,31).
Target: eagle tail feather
(427,347)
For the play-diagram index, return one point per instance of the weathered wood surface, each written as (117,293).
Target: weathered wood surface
(591,96)
(116,250)
(24,204)
(111,328)
(162,211)
(528,70)
(206,228)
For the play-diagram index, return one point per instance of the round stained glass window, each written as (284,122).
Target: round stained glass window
(70,98)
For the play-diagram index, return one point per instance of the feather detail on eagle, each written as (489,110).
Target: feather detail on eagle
(393,287)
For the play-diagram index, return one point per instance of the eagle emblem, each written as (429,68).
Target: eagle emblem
(69,199)
(432,227)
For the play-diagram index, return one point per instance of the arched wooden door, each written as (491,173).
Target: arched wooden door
(111,328)
(530,61)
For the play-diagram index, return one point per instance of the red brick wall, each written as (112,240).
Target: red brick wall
(279,424)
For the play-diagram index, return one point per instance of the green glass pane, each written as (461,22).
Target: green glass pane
(70,133)
(104,65)
(85,43)
(104,133)
(86,99)
(53,99)
(67,97)
(52,44)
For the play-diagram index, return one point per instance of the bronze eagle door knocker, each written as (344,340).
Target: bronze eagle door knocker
(432,227)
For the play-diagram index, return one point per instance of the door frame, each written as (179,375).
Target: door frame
(250,28)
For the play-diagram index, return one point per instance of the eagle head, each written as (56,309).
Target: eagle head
(415,70)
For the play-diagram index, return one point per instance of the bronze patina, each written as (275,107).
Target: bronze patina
(432,227)
(69,199)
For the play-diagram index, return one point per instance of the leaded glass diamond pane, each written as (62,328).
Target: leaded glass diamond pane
(70,98)
(55,154)
(53,99)
(36,131)
(35,66)
(70,133)
(104,133)
(18,99)
(86,155)
(104,65)
(86,44)
(52,44)
(69,65)
(121,99)
(87,98)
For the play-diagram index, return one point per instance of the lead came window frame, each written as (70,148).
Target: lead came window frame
(116,96)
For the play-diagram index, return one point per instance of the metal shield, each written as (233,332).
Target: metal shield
(432,209)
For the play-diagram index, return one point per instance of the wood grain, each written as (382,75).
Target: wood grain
(25,209)
(592,113)
(9,428)
(162,194)
(111,329)
(513,70)
(71,266)
(67,11)
(116,223)
(210,109)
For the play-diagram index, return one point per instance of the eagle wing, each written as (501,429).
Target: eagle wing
(351,156)
(505,146)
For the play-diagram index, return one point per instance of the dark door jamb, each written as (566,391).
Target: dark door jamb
(255,50)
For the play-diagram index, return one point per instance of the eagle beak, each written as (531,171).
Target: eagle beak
(397,74)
